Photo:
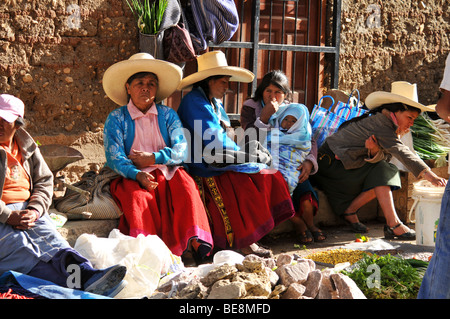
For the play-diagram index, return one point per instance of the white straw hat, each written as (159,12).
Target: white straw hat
(169,76)
(401,92)
(215,63)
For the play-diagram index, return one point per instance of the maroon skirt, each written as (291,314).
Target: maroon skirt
(243,207)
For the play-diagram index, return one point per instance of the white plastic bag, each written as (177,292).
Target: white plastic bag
(229,257)
(147,259)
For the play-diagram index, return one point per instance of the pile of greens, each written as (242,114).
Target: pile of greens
(148,14)
(431,138)
(397,278)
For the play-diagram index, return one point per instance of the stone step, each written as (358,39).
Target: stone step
(72,229)
(326,217)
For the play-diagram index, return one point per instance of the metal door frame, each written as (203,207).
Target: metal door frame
(255,46)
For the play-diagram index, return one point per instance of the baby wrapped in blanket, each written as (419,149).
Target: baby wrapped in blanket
(289,141)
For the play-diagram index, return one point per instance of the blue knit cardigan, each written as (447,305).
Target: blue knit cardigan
(118,136)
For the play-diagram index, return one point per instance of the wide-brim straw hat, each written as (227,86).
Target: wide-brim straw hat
(215,63)
(169,76)
(401,92)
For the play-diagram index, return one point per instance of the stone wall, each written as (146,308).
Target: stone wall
(53,54)
(385,41)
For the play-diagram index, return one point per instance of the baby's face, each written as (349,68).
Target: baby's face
(288,121)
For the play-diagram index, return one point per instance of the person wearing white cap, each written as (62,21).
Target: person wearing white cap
(436,281)
(29,241)
(352,173)
(145,143)
(244,200)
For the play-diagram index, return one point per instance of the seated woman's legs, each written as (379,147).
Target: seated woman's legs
(350,214)
(386,201)
(304,225)
(308,217)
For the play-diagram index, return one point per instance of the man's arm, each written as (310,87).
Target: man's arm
(443,106)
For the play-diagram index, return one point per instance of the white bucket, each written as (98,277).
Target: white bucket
(427,206)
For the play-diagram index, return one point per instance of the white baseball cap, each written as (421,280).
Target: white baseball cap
(11,107)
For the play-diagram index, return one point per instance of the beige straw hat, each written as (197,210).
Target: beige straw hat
(169,76)
(401,92)
(215,63)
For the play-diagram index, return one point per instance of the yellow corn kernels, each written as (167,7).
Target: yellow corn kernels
(337,256)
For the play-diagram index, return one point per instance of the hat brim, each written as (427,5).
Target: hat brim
(8,117)
(114,79)
(379,98)
(236,74)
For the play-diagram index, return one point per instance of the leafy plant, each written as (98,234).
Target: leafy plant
(430,137)
(148,14)
(399,278)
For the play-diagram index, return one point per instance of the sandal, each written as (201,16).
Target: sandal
(188,259)
(257,250)
(389,233)
(356,227)
(317,234)
(306,237)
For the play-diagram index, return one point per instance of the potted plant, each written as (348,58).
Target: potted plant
(148,15)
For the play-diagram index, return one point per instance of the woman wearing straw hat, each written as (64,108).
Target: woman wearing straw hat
(353,170)
(245,200)
(145,143)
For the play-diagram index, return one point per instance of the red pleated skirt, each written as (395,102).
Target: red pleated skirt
(173,211)
(244,208)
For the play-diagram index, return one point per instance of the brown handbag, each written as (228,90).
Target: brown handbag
(178,47)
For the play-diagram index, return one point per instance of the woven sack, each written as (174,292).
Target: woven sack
(96,200)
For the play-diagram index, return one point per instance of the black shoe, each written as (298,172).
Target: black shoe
(389,233)
(356,227)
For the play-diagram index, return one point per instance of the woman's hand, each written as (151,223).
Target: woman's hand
(372,145)
(434,179)
(305,169)
(142,159)
(146,180)
(268,110)
(22,219)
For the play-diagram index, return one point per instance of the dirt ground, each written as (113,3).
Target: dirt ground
(340,236)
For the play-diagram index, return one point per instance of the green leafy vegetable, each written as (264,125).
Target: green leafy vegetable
(148,15)
(431,139)
(397,278)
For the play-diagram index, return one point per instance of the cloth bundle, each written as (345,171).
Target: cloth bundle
(290,148)
(96,198)
(211,20)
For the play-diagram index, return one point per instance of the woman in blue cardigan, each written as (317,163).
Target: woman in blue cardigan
(244,199)
(145,143)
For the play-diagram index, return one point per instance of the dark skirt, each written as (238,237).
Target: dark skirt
(342,186)
(302,192)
